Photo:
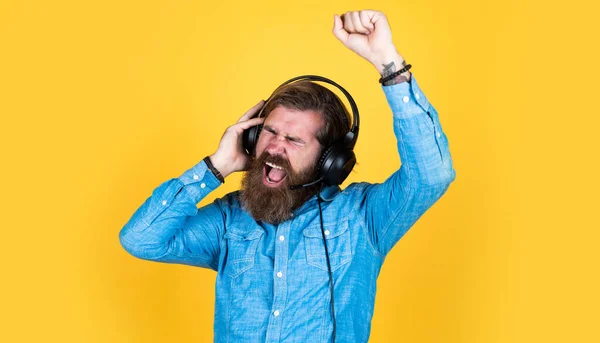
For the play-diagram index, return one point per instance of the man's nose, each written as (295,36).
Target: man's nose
(276,147)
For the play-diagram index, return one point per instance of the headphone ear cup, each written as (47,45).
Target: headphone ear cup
(324,156)
(336,163)
(250,138)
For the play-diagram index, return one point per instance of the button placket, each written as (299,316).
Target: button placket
(280,285)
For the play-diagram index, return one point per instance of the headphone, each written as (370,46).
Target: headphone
(338,159)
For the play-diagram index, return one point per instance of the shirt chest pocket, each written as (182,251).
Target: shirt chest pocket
(241,250)
(339,245)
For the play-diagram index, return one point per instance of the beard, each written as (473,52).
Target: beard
(275,204)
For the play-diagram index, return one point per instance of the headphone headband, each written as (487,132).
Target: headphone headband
(352,135)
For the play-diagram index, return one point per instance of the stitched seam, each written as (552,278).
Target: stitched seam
(227,319)
(400,210)
(362,223)
(190,195)
(409,193)
(369,242)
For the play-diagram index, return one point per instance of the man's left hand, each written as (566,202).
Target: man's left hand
(368,34)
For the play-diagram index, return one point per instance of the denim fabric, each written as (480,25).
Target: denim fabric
(272,283)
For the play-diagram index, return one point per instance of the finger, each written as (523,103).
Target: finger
(358,26)
(377,18)
(248,124)
(251,111)
(338,29)
(348,22)
(365,20)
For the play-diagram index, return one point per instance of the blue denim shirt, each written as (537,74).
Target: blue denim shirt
(272,283)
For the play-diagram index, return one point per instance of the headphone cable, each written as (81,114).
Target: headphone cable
(328,265)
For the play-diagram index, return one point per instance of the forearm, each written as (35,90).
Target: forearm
(422,145)
(155,231)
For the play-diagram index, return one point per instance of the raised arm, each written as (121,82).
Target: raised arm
(392,207)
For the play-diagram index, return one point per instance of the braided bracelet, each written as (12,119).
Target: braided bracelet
(213,169)
(393,75)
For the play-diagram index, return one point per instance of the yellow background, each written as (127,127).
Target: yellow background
(101,101)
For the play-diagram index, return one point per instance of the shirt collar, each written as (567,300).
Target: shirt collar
(329,192)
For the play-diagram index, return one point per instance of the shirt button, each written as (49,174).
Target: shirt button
(405,99)
(279,274)
(276,313)
(202,185)
(327,232)
(417,96)
(281,238)
(164,202)
(438,134)
(195,177)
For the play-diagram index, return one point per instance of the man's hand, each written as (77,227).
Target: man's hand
(230,156)
(368,34)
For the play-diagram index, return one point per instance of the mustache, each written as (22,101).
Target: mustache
(274,205)
(275,159)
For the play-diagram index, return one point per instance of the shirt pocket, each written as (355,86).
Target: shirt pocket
(241,250)
(339,245)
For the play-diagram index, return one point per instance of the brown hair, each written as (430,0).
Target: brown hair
(309,96)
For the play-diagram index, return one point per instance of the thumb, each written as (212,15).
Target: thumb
(338,29)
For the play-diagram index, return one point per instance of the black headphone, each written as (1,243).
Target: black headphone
(338,159)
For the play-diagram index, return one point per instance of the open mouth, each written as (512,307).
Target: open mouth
(273,175)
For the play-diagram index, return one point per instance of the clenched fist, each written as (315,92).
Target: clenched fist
(368,34)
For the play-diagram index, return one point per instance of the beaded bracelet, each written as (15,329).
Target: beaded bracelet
(393,75)
(213,169)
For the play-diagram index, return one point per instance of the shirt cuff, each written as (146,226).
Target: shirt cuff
(406,98)
(199,180)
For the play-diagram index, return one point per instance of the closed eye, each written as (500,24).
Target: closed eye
(296,140)
(269,129)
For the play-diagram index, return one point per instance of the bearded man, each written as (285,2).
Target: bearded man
(300,265)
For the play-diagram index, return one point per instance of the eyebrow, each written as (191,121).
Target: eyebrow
(292,138)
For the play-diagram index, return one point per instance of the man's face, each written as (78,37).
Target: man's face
(286,155)
(291,135)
